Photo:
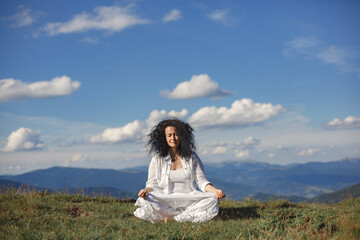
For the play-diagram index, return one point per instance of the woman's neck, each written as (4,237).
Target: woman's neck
(173,153)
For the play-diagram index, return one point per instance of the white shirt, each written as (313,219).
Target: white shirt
(178,183)
(159,173)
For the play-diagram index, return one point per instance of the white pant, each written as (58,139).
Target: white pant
(182,207)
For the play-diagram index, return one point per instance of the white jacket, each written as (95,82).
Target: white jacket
(159,172)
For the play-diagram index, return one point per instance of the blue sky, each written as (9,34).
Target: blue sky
(82,82)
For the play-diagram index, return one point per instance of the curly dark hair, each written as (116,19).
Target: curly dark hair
(157,140)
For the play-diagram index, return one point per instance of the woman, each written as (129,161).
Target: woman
(174,172)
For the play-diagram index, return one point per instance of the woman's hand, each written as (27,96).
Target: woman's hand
(144,192)
(218,192)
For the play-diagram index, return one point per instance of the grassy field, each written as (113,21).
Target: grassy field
(38,215)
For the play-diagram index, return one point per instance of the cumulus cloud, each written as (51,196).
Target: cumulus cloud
(23,139)
(11,89)
(216,150)
(128,133)
(24,17)
(242,153)
(250,141)
(108,18)
(76,159)
(308,152)
(242,113)
(348,122)
(156,116)
(173,15)
(240,148)
(199,86)
(282,147)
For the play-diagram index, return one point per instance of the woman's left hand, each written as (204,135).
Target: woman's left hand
(219,193)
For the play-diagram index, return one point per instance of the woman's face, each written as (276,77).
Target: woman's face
(172,137)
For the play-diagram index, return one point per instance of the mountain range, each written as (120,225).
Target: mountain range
(305,180)
(239,180)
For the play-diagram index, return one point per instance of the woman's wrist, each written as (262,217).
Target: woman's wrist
(210,188)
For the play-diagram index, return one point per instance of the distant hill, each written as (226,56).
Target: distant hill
(350,192)
(66,178)
(89,191)
(306,180)
(237,179)
(5,184)
(233,191)
(263,197)
(122,183)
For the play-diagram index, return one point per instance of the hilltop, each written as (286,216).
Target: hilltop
(41,215)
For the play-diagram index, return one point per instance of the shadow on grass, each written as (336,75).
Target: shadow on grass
(237,213)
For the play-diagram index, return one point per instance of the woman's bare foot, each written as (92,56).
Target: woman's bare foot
(166,220)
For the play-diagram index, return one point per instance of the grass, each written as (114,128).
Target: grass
(39,215)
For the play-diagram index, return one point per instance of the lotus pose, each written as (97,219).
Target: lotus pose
(174,173)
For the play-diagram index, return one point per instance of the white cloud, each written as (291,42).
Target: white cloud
(173,15)
(308,152)
(157,116)
(312,49)
(24,17)
(223,17)
(250,141)
(334,55)
(23,139)
(281,147)
(199,86)
(341,58)
(111,18)
(242,153)
(240,148)
(11,89)
(219,16)
(219,150)
(242,112)
(301,43)
(76,159)
(91,40)
(128,133)
(216,150)
(348,122)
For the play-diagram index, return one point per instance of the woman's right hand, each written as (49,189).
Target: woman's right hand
(144,192)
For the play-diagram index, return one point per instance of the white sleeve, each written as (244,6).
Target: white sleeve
(200,177)
(152,181)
